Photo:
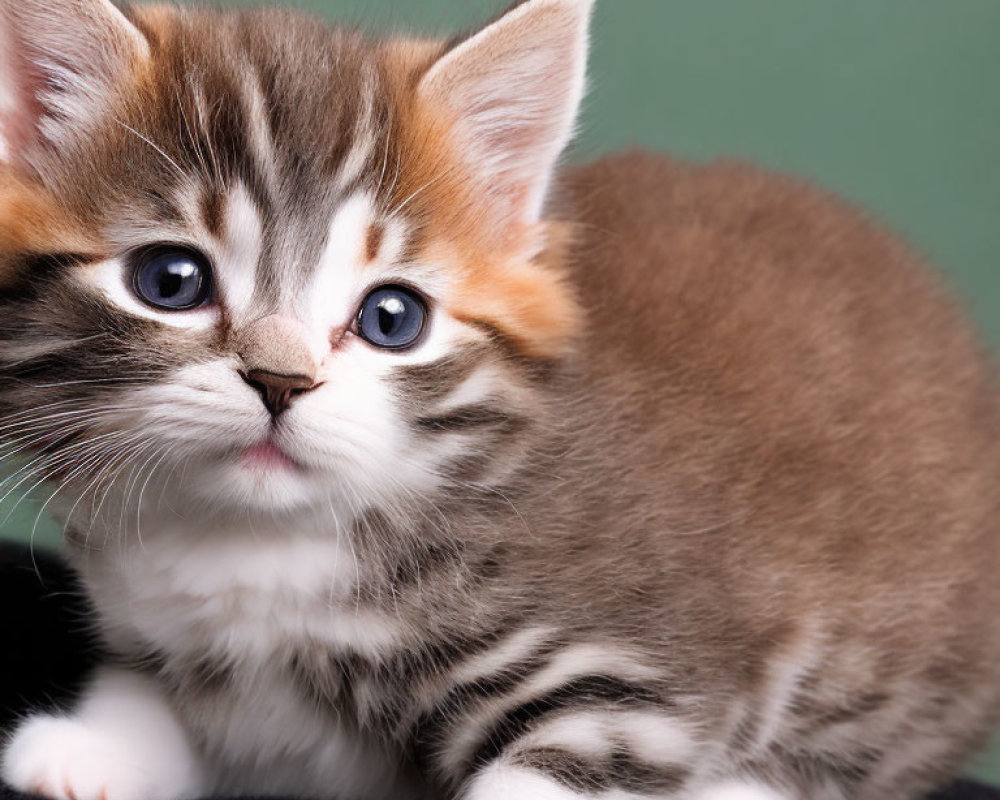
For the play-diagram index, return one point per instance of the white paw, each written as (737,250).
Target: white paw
(739,790)
(66,759)
(502,782)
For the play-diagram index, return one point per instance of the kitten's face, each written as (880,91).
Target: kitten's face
(280,266)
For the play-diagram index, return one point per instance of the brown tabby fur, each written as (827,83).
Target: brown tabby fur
(830,425)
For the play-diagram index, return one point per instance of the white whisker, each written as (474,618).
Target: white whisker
(156,147)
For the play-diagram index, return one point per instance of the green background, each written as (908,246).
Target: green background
(895,103)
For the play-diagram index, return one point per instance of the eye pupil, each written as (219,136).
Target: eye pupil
(391,313)
(391,318)
(172,278)
(386,321)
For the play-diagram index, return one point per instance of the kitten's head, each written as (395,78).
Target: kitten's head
(282,264)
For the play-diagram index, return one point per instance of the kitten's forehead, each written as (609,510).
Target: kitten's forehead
(277,98)
(256,130)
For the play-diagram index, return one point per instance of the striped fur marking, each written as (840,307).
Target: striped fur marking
(583,691)
(470,418)
(479,720)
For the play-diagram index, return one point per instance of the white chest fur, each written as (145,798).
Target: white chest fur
(246,601)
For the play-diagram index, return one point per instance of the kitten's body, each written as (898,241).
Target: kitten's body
(731,532)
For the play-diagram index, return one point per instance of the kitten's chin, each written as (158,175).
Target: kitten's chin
(260,481)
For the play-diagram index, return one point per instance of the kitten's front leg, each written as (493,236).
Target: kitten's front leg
(123,742)
(578,757)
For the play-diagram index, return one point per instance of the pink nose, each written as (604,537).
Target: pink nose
(278,391)
(278,361)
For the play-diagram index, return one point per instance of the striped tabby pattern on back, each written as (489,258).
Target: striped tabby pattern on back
(654,494)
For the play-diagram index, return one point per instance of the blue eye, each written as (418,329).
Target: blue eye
(392,317)
(172,278)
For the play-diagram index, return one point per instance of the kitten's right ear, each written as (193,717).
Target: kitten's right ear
(61,63)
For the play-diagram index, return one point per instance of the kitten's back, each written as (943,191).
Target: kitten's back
(808,403)
(810,341)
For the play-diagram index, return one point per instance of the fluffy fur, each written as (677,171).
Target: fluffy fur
(688,489)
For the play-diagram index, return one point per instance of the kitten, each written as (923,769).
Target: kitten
(399,463)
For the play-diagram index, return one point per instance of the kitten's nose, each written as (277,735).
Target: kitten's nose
(278,361)
(277,390)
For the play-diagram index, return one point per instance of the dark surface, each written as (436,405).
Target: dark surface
(43,632)
(48,650)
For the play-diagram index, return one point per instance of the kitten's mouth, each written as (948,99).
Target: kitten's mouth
(266,456)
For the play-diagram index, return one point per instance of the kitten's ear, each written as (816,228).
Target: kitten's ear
(61,62)
(514,92)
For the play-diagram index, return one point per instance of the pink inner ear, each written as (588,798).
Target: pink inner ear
(22,108)
(514,91)
(62,61)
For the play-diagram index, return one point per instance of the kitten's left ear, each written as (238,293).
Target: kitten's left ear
(61,62)
(513,92)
